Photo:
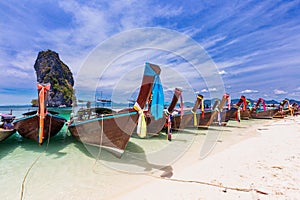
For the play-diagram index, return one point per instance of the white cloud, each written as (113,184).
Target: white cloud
(277,91)
(17,73)
(248,91)
(25,60)
(237,60)
(212,41)
(209,90)
(222,72)
(250,52)
(295,94)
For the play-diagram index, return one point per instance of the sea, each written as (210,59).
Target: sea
(64,168)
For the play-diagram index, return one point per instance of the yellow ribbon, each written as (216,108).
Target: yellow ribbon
(291,109)
(195,117)
(202,105)
(142,126)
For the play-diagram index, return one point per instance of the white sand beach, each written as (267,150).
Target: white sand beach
(266,166)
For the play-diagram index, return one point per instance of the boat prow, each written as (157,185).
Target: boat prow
(112,131)
(40,125)
(6,127)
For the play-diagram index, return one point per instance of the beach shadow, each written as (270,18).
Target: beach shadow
(9,145)
(133,158)
(221,128)
(53,148)
(232,126)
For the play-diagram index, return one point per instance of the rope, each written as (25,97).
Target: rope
(98,156)
(239,114)
(36,160)
(219,117)
(212,184)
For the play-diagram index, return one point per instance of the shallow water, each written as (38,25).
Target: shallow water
(67,169)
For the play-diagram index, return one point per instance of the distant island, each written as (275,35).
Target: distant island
(50,69)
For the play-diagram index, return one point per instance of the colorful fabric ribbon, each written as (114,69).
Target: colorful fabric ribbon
(42,110)
(181,106)
(142,126)
(195,118)
(244,103)
(229,102)
(238,114)
(263,102)
(219,116)
(264,105)
(157,104)
(290,108)
(249,104)
(202,105)
(169,119)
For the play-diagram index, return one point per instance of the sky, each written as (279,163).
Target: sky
(253,45)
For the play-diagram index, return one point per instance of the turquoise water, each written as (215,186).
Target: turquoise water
(67,169)
(19,110)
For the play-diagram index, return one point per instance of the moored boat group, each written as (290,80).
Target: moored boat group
(147,118)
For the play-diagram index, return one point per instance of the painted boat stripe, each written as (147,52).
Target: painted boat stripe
(104,117)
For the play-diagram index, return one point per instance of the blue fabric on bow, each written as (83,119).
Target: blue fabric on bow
(157,104)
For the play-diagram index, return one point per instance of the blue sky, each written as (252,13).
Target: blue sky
(254,44)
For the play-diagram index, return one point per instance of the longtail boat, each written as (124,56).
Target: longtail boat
(283,112)
(203,119)
(6,127)
(155,126)
(241,113)
(181,121)
(112,131)
(296,108)
(223,115)
(257,113)
(40,125)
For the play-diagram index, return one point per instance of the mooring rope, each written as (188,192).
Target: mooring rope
(102,132)
(35,161)
(225,188)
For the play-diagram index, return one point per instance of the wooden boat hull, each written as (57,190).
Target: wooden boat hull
(28,127)
(181,122)
(113,131)
(245,115)
(6,133)
(268,114)
(154,126)
(282,114)
(279,115)
(187,120)
(230,114)
(110,132)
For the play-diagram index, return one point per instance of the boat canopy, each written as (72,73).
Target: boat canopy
(7,116)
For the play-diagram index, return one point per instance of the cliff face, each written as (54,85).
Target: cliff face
(50,69)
